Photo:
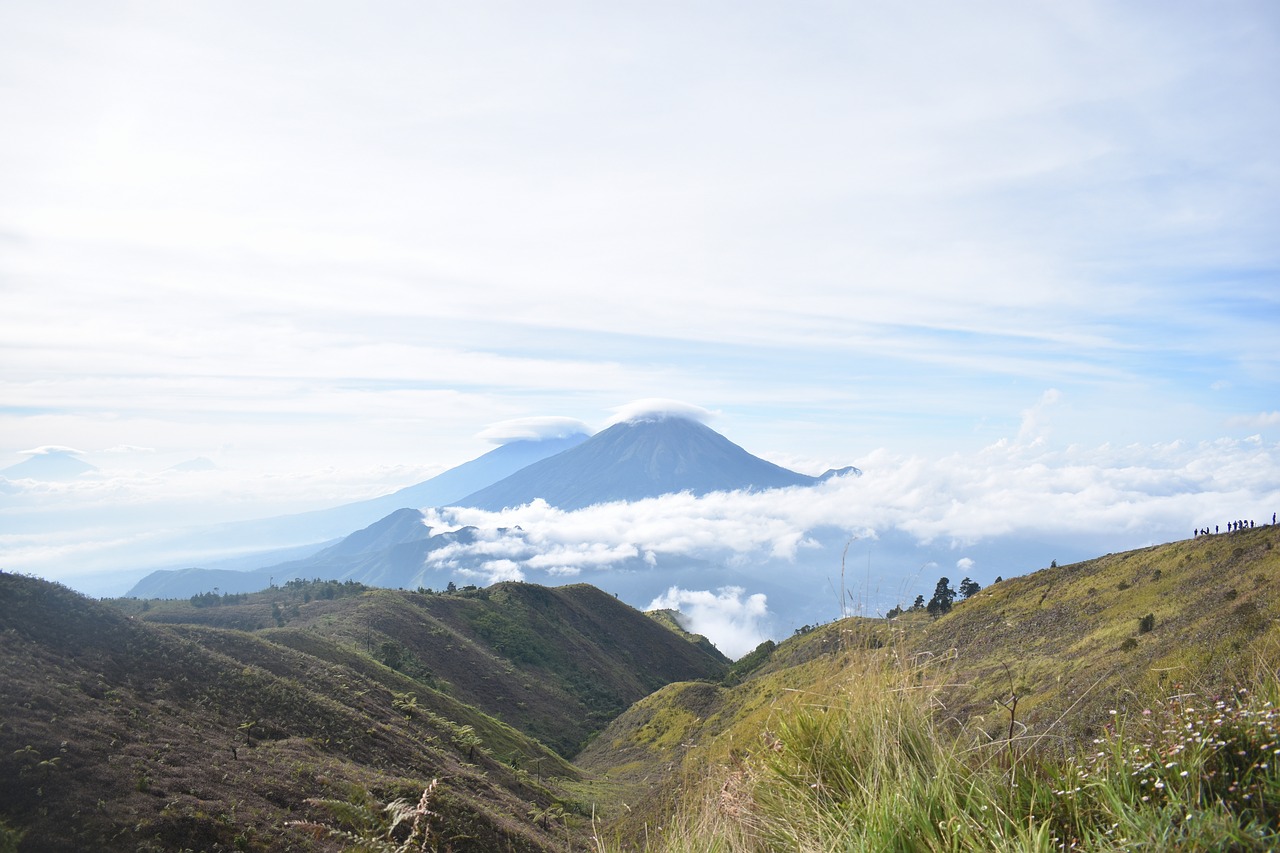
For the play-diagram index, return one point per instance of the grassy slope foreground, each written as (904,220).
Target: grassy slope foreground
(120,733)
(1126,702)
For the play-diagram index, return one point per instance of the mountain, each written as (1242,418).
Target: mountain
(49,464)
(390,552)
(632,460)
(443,489)
(269,536)
(638,459)
(212,725)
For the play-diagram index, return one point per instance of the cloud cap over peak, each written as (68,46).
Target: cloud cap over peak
(659,408)
(533,429)
(52,450)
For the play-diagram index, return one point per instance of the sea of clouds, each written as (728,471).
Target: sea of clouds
(749,565)
(1025,502)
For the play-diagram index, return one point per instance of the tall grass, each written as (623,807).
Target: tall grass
(875,763)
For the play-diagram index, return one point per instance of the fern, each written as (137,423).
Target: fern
(364,825)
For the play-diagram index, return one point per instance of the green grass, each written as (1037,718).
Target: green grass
(875,764)
(872,735)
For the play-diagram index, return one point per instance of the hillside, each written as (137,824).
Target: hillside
(1126,701)
(210,732)
(1059,655)
(557,663)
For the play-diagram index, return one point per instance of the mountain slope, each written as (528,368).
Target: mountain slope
(119,734)
(1076,645)
(634,460)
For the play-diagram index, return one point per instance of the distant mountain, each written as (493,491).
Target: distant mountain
(441,490)
(270,535)
(390,552)
(49,464)
(200,463)
(638,459)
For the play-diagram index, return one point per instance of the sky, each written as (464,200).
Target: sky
(325,248)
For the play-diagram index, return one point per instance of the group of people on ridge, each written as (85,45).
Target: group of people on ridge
(1232,526)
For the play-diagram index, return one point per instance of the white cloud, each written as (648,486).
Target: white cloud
(533,429)
(658,408)
(532,217)
(52,450)
(1035,420)
(1128,496)
(1261,420)
(496,571)
(736,624)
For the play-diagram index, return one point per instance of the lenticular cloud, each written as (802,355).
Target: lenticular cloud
(533,429)
(658,408)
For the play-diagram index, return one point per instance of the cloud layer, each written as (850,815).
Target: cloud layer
(1026,502)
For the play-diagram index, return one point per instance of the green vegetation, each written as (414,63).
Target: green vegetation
(973,729)
(872,765)
(170,725)
(1126,702)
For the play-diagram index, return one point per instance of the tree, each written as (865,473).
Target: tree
(392,654)
(943,595)
(919,603)
(968,588)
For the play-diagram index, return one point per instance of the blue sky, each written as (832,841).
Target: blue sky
(325,246)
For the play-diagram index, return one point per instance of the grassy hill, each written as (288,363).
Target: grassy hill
(557,663)
(826,740)
(1125,702)
(210,727)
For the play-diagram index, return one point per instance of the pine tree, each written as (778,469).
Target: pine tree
(943,596)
